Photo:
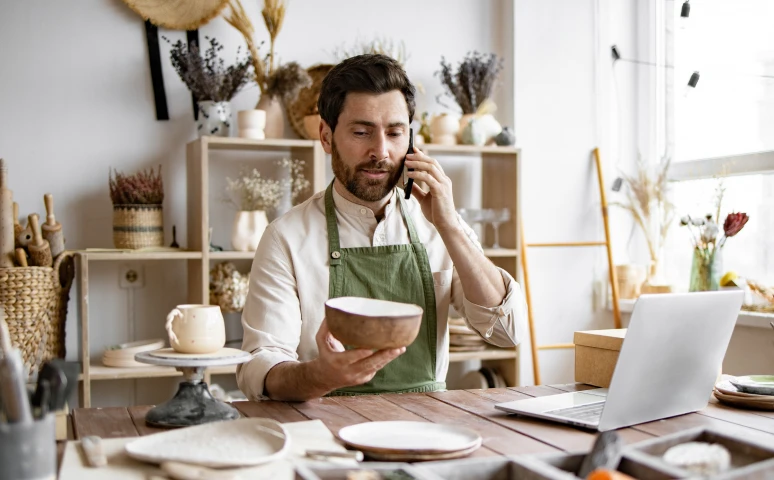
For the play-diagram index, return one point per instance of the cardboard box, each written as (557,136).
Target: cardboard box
(596,353)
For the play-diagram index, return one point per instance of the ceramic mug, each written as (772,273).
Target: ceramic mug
(196,329)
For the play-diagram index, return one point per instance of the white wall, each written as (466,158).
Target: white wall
(76,100)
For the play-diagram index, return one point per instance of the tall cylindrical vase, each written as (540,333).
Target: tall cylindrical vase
(248,229)
(275,116)
(706,269)
(214,119)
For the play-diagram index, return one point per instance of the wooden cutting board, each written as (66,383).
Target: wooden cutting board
(307,435)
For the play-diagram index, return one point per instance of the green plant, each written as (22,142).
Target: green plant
(143,188)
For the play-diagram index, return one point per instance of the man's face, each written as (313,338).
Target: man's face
(370,141)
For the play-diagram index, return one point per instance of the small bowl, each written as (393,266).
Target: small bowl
(758,384)
(368,323)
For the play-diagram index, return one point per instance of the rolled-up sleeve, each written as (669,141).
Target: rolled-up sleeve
(271,318)
(504,325)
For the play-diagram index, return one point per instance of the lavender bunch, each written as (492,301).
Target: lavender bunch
(473,82)
(143,188)
(207,77)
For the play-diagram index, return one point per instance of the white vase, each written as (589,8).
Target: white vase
(214,119)
(251,124)
(275,116)
(444,129)
(248,229)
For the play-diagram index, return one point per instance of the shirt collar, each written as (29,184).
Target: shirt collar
(345,206)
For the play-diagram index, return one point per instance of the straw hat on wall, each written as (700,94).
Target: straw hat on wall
(177,14)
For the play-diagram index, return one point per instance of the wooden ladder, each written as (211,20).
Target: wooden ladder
(611,272)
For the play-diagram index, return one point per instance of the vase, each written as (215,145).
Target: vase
(275,116)
(312,126)
(473,133)
(251,124)
(138,226)
(214,119)
(248,229)
(444,129)
(706,270)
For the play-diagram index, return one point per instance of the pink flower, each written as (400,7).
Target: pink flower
(734,223)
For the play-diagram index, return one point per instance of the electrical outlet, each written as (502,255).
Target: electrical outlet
(131,276)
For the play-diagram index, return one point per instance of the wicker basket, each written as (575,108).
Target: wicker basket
(35,303)
(138,226)
(304,104)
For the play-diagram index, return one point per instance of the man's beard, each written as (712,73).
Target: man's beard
(366,189)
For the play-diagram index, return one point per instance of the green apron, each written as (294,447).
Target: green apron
(399,273)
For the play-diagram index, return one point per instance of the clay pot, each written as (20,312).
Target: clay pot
(368,323)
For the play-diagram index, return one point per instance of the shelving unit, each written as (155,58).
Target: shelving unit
(500,189)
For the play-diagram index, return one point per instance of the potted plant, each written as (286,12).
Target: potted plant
(254,196)
(211,82)
(138,220)
(277,81)
(708,243)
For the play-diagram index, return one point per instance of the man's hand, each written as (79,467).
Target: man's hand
(338,368)
(438,203)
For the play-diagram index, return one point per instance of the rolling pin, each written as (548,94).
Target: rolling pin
(40,252)
(17,228)
(7,246)
(52,230)
(21,257)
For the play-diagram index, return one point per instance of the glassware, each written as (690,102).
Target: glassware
(497,217)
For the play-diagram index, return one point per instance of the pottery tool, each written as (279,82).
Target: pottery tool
(52,230)
(356,455)
(21,257)
(186,471)
(13,390)
(17,228)
(410,182)
(93,451)
(6,219)
(40,252)
(605,454)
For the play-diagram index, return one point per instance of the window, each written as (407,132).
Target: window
(724,128)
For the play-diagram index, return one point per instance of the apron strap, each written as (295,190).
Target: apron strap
(413,236)
(334,247)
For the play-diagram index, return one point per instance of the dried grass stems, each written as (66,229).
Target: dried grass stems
(647,200)
(143,188)
(473,82)
(283,81)
(251,191)
(381,45)
(207,77)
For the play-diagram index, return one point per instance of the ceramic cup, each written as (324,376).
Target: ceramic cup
(196,329)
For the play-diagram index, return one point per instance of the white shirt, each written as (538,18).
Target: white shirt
(289,285)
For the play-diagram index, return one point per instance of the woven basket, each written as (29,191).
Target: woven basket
(305,102)
(138,226)
(35,303)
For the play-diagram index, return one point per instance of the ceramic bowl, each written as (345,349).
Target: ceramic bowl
(758,384)
(368,323)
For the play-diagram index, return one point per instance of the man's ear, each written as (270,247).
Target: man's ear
(326,136)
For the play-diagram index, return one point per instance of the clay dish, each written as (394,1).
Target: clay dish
(369,323)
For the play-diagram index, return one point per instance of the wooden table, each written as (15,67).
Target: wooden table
(503,434)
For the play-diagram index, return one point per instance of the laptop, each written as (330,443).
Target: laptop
(668,364)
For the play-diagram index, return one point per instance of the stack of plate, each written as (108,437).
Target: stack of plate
(462,338)
(403,441)
(122,355)
(754,391)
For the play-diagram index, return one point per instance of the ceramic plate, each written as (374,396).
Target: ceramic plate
(409,438)
(237,443)
(743,402)
(419,457)
(759,384)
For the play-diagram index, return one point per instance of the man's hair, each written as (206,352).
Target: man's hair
(368,73)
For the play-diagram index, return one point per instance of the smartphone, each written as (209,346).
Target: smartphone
(410,182)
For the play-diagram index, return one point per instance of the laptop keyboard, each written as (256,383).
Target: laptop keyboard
(591,412)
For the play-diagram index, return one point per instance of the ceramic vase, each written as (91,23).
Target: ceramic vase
(251,124)
(214,119)
(444,129)
(474,133)
(248,229)
(706,270)
(275,116)
(312,126)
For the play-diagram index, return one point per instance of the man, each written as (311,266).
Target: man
(360,237)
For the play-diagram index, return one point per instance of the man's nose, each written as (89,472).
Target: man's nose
(379,150)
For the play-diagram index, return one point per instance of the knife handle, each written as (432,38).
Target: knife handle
(92,448)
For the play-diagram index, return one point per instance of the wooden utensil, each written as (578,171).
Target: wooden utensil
(52,230)
(17,228)
(92,449)
(21,257)
(6,219)
(185,471)
(40,252)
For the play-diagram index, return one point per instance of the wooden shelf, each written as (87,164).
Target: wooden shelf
(465,149)
(229,255)
(97,371)
(488,354)
(236,143)
(501,252)
(135,255)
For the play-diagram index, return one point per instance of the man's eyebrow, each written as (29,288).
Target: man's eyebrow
(366,123)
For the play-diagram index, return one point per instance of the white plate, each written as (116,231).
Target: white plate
(237,443)
(410,437)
